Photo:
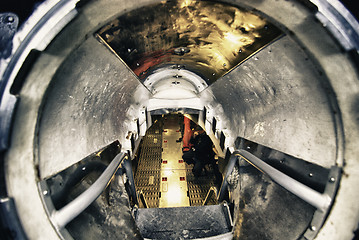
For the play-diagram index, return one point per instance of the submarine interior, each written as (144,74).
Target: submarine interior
(99,101)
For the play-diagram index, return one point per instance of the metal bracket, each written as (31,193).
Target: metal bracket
(8,27)
(60,218)
(227,214)
(50,208)
(322,201)
(320,216)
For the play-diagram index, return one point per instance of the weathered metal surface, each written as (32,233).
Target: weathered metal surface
(110,211)
(8,27)
(338,68)
(267,211)
(66,214)
(148,167)
(205,37)
(276,98)
(88,95)
(105,218)
(184,222)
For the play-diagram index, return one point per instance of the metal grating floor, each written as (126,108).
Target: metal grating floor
(147,176)
(161,174)
(199,187)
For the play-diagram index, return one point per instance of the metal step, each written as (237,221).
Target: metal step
(184,222)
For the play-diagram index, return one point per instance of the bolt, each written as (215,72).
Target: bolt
(181,51)
(10,19)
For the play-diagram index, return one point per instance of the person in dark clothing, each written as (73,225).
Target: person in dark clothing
(201,153)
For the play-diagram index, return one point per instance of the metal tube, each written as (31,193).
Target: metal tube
(314,198)
(143,200)
(212,191)
(230,166)
(128,169)
(63,216)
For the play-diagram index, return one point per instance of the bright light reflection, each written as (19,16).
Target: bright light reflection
(235,39)
(174,194)
(167,173)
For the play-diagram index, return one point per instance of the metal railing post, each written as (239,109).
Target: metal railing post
(321,201)
(66,214)
(212,191)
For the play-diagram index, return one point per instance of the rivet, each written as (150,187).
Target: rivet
(45,192)
(310,174)
(332,179)
(84,168)
(10,19)
(313,228)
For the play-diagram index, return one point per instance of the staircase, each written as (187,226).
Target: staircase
(185,222)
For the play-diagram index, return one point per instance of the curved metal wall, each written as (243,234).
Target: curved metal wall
(297,95)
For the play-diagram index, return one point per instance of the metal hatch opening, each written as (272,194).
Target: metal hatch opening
(273,83)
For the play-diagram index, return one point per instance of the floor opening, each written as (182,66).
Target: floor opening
(161,174)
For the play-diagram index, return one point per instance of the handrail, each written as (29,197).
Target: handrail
(127,165)
(66,214)
(211,191)
(321,201)
(143,200)
(230,166)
